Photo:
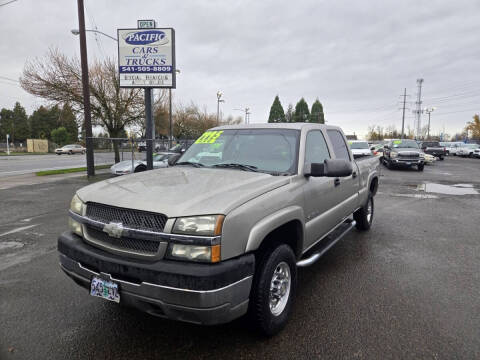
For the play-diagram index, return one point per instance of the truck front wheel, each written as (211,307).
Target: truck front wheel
(364,215)
(273,289)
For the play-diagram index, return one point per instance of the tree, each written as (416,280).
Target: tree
(276,112)
(6,124)
(21,130)
(68,120)
(60,136)
(43,121)
(58,79)
(474,127)
(289,114)
(301,111)
(317,116)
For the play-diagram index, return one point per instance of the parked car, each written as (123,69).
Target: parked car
(467,150)
(453,147)
(403,153)
(377,150)
(359,148)
(429,159)
(433,148)
(205,242)
(160,160)
(70,150)
(142,146)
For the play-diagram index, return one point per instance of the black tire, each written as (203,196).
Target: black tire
(420,167)
(269,262)
(441,157)
(388,164)
(70,152)
(83,152)
(140,168)
(361,216)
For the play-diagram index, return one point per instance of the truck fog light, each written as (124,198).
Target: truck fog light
(75,226)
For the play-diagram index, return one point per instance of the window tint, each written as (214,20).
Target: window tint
(316,150)
(339,146)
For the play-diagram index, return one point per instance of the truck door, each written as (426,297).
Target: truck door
(321,194)
(348,186)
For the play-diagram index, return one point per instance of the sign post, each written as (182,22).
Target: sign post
(146,59)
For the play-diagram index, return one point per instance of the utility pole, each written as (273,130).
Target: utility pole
(219,100)
(86,91)
(418,110)
(429,111)
(170,132)
(149,127)
(403,112)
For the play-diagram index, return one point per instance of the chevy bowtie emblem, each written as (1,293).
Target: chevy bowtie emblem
(114,229)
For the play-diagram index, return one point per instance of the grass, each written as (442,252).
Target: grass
(68,171)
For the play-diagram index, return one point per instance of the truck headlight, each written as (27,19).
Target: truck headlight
(210,225)
(76,205)
(75,226)
(393,154)
(194,253)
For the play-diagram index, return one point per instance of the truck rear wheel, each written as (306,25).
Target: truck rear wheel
(364,215)
(273,289)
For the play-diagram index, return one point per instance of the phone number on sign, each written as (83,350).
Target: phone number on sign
(144,69)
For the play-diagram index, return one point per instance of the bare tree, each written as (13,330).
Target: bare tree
(57,79)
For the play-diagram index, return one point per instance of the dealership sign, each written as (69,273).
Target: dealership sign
(146,57)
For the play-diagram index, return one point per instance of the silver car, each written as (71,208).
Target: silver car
(70,150)
(160,160)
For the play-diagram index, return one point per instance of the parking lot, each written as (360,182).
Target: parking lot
(409,288)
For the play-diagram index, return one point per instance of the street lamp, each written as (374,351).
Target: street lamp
(219,100)
(429,111)
(77,32)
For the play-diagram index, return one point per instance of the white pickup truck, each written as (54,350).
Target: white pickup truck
(222,233)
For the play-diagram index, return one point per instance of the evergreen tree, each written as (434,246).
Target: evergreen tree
(276,112)
(20,121)
(317,116)
(69,122)
(6,124)
(301,111)
(42,123)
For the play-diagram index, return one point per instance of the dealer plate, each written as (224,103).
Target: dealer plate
(105,289)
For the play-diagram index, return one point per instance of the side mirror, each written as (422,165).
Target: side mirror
(329,168)
(173,159)
(386,147)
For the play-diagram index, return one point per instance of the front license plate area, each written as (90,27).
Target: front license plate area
(104,289)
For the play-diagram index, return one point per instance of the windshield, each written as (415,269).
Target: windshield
(273,151)
(405,144)
(471,146)
(359,145)
(161,157)
(431,144)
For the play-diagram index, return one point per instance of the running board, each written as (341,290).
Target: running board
(329,242)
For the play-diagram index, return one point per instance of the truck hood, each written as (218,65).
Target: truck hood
(183,191)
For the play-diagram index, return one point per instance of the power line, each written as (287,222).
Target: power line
(6,78)
(9,2)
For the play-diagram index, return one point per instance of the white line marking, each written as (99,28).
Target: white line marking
(18,229)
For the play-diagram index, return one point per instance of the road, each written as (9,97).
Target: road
(17,165)
(409,288)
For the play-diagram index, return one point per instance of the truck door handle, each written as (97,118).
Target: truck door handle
(336,181)
(354,174)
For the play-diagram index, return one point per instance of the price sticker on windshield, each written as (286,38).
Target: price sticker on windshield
(209,137)
(396,142)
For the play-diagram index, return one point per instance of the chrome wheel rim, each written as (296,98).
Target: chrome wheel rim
(280,288)
(369,210)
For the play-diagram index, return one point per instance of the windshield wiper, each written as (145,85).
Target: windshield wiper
(237,166)
(194,164)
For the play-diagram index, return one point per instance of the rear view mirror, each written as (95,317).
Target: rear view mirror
(329,168)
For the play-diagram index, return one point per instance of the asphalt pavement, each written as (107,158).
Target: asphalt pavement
(407,289)
(24,164)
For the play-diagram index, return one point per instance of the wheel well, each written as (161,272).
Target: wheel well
(290,233)
(140,168)
(374,186)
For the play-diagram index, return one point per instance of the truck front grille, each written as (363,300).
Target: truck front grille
(138,246)
(134,219)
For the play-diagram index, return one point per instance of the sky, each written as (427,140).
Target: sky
(356,57)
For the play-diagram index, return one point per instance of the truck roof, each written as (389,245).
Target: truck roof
(294,126)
